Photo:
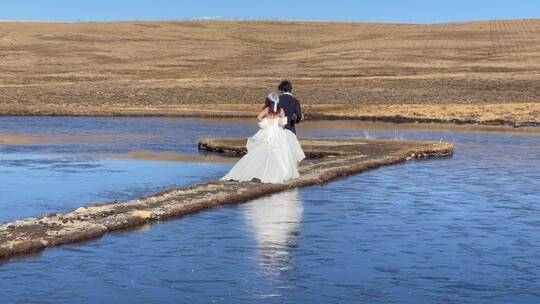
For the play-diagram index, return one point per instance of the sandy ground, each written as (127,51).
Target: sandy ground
(476,71)
(171,157)
(9,140)
(367,128)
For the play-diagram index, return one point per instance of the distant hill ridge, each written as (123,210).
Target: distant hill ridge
(222,61)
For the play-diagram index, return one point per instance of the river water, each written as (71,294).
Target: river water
(456,230)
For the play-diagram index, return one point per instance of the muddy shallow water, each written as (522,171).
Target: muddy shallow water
(462,229)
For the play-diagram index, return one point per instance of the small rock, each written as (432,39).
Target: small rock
(142,214)
(95,209)
(81,210)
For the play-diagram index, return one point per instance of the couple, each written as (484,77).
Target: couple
(274,151)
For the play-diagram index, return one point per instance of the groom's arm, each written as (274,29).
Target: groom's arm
(298,112)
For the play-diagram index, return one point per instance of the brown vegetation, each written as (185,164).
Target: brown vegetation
(464,70)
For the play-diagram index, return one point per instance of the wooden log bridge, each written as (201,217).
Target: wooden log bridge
(334,158)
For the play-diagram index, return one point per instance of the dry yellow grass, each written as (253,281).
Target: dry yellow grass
(475,112)
(374,69)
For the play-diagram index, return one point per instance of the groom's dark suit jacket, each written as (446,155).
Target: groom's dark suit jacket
(291,107)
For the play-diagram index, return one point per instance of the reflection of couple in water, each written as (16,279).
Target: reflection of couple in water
(273,157)
(275,223)
(274,151)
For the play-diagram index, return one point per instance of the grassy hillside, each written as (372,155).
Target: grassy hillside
(50,67)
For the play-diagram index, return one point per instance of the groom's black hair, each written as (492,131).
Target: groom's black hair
(285,86)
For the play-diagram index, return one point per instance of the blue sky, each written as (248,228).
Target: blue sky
(410,11)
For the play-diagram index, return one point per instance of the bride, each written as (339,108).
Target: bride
(273,152)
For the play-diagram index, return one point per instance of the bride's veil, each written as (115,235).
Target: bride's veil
(274,98)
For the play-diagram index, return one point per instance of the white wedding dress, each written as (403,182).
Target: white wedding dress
(273,155)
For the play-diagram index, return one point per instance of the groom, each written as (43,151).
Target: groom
(289,104)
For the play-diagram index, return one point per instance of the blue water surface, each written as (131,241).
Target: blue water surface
(455,230)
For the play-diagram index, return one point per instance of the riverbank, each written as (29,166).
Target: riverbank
(336,158)
(490,114)
(465,73)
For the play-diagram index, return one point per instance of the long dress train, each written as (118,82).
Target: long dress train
(273,155)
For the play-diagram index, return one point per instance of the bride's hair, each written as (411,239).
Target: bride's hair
(272,102)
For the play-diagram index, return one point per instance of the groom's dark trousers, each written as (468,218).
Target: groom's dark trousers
(291,107)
